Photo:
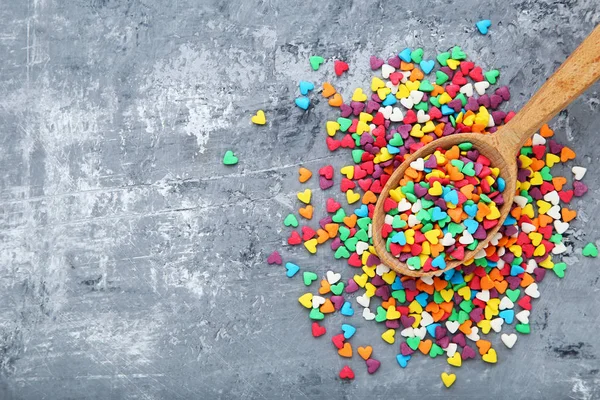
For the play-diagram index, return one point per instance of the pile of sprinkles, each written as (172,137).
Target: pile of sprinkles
(444,205)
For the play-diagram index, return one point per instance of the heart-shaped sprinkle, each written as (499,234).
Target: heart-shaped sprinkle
(229,158)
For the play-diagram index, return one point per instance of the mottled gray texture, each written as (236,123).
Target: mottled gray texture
(133,260)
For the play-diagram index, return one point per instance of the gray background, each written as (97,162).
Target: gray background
(132,260)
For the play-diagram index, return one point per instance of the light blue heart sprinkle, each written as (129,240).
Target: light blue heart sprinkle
(303,102)
(349,330)
(405,55)
(361,212)
(427,66)
(347,309)
(483,26)
(507,315)
(439,261)
(471,225)
(305,87)
(292,269)
(422,298)
(402,360)
(390,100)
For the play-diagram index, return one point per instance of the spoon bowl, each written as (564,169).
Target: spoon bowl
(572,78)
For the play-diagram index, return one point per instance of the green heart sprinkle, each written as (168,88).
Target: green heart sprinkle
(422,106)
(426,86)
(417,55)
(513,295)
(344,123)
(396,140)
(413,342)
(458,54)
(316,61)
(357,155)
(229,158)
(492,76)
(315,314)
(338,288)
(523,328)
(435,351)
(435,101)
(339,216)
(441,78)
(381,314)
(559,269)
(291,220)
(590,250)
(309,277)
(341,252)
(399,295)
(443,58)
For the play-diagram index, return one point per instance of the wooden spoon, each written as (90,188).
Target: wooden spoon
(572,78)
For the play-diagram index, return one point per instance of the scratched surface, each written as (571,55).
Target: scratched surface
(132,260)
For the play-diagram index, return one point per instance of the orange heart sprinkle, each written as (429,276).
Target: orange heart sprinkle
(306,212)
(328,90)
(346,351)
(567,214)
(545,131)
(305,174)
(325,287)
(483,346)
(425,346)
(365,352)
(336,100)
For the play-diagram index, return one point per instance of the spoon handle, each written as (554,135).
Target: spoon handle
(572,78)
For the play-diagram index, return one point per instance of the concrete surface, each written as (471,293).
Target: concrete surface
(132,260)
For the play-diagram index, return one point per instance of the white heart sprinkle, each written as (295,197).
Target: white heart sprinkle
(474,334)
(361,247)
(318,301)
(466,238)
(393,88)
(333,277)
(467,90)
(397,115)
(496,324)
(382,269)
(426,319)
(418,164)
(538,139)
(527,227)
(368,315)
(407,102)
(561,227)
(386,70)
(404,205)
(447,240)
(491,121)
(416,207)
(452,326)
(509,340)
(554,212)
(363,300)
(412,220)
(552,197)
(506,303)
(578,172)
(408,332)
(484,295)
(386,111)
(422,117)
(416,96)
(421,332)
(451,349)
(559,248)
(481,86)
(531,266)
(520,200)
(428,280)
(532,291)
(523,316)
(388,219)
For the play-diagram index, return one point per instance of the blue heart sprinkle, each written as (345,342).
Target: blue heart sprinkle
(397,285)
(507,315)
(349,330)
(451,197)
(471,225)
(510,220)
(363,211)
(438,215)
(347,309)
(431,329)
(422,299)
(306,87)
(303,102)
(393,149)
(501,184)
(402,360)
(390,100)
(516,270)
(399,238)
(292,269)
(471,210)
(427,66)
(439,261)
(483,26)
(457,279)
(405,55)
(447,110)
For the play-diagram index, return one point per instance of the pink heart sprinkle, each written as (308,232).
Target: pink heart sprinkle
(372,365)
(274,258)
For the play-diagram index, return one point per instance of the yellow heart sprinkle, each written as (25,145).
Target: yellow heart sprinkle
(455,360)
(376,83)
(448,379)
(332,127)
(360,280)
(388,336)
(311,245)
(490,356)
(352,197)
(402,92)
(306,300)
(453,64)
(392,313)
(358,95)
(305,196)
(447,294)
(259,118)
